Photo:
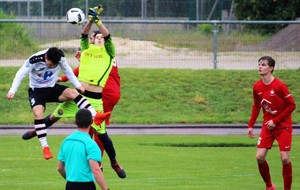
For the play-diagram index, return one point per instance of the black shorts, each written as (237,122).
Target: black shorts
(39,96)
(80,186)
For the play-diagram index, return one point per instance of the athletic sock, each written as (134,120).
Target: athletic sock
(264,171)
(287,175)
(41,131)
(100,144)
(82,102)
(48,121)
(109,147)
(97,140)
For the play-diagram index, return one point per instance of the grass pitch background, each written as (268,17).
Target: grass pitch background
(160,96)
(162,162)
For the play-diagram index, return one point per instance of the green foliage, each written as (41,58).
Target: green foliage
(206,29)
(161,96)
(267,10)
(16,39)
(162,162)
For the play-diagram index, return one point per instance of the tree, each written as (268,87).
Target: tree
(267,10)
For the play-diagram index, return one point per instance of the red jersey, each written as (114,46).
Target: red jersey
(276,102)
(111,92)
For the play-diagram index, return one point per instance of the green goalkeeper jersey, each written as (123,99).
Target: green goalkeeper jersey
(96,61)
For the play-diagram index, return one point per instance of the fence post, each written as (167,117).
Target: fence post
(215,30)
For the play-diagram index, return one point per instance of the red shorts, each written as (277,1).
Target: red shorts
(110,98)
(282,135)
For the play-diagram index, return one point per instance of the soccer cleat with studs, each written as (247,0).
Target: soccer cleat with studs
(29,135)
(47,153)
(100,117)
(273,187)
(119,170)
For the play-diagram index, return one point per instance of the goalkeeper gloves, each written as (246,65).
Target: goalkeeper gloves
(94,17)
(98,9)
(92,14)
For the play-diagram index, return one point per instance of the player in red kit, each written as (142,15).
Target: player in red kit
(273,96)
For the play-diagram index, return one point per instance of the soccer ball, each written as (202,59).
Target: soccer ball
(75,16)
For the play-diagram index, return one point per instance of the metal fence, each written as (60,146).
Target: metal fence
(191,9)
(138,43)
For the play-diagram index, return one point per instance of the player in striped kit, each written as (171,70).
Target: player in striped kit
(43,69)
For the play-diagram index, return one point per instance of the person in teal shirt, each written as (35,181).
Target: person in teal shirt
(79,156)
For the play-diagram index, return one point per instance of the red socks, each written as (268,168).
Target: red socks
(287,175)
(264,171)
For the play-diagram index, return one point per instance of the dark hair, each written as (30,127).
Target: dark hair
(54,54)
(83,118)
(270,60)
(96,32)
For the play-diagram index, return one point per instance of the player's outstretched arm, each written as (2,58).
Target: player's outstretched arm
(94,15)
(87,27)
(10,95)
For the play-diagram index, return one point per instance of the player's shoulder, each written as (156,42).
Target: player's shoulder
(277,80)
(279,84)
(37,57)
(258,83)
(108,37)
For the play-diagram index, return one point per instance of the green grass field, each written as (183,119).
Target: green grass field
(163,96)
(155,162)
(161,162)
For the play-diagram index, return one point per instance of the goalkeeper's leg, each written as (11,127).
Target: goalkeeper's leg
(110,150)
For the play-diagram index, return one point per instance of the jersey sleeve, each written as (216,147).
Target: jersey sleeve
(255,109)
(290,105)
(61,156)
(84,42)
(20,75)
(109,46)
(69,73)
(93,152)
(75,71)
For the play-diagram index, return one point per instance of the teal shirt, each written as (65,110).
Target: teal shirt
(75,152)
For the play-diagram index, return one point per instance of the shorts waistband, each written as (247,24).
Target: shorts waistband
(94,95)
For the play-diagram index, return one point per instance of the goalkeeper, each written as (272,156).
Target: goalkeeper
(111,92)
(95,65)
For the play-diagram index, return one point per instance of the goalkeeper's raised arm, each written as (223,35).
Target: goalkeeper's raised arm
(94,16)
